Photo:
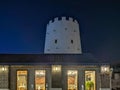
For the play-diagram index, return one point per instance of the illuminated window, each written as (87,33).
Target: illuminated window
(72,79)
(40,80)
(90,80)
(22,80)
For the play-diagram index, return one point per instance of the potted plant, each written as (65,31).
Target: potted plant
(89,85)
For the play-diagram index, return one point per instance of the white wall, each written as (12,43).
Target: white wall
(63,31)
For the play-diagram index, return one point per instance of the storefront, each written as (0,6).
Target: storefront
(61,72)
(30,77)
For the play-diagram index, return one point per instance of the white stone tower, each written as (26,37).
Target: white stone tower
(62,37)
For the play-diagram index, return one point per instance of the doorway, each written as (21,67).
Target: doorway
(72,79)
(90,80)
(40,79)
(22,79)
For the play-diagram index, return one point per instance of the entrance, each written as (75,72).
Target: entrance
(40,79)
(72,79)
(22,80)
(90,82)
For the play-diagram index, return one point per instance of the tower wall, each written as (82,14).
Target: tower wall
(62,37)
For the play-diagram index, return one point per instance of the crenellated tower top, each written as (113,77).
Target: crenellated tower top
(59,19)
(62,36)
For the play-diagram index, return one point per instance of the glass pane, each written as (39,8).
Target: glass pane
(72,79)
(21,80)
(40,80)
(90,80)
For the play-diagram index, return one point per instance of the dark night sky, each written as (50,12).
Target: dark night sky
(23,25)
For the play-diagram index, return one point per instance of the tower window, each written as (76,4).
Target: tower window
(68,47)
(48,49)
(54,30)
(65,28)
(57,48)
(55,41)
(47,33)
(72,41)
(74,30)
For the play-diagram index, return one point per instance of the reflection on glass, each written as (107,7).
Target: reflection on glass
(22,80)
(90,80)
(40,80)
(72,79)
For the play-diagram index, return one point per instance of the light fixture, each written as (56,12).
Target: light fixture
(56,68)
(4,68)
(105,69)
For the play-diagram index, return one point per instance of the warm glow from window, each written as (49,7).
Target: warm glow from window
(22,80)
(72,79)
(90,83)
(40,80)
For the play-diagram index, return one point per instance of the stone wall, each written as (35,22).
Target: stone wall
(4,77)
(105,80)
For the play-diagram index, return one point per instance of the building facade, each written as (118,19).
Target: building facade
(116,77)
(54,77)
(63,66)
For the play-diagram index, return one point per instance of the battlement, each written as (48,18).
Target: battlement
(59,19)
(62,36)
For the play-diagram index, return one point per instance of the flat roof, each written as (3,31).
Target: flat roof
(49,59)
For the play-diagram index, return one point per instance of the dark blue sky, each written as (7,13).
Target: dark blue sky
(23,25)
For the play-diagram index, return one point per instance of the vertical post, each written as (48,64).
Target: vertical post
(111,71)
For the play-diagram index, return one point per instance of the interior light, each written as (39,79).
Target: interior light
(105,69)
(3,69)
(56,68)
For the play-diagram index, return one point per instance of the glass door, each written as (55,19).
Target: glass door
(40,81)
(90,82)
(72,79)
(22,80)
